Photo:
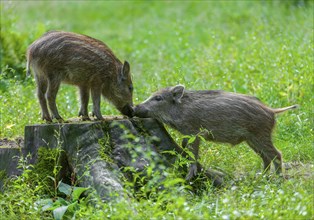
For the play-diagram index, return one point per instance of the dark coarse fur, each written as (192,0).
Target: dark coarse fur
(217,116)
(83,61)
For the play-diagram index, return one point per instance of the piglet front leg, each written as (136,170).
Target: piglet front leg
(193,147)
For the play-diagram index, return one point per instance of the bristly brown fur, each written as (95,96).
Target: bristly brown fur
(217,116)
(83,61)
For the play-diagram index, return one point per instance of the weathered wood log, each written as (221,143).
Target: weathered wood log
(8,162)
(134,143)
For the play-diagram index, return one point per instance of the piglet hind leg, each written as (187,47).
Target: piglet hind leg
(274,155)
(42,85)
(53,88)
(266,150)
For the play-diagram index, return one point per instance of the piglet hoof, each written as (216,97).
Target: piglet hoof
(61,120)
(47,119)
(98,116)
(192,172)
(48,122)
(85,118)
(99,119)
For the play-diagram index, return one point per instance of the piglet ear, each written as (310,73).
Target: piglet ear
(125,71)
(177,93)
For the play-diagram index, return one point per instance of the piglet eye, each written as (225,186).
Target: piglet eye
(158,98)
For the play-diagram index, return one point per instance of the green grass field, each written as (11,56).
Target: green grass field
(261,48)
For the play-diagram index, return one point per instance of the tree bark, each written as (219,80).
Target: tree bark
(133,143)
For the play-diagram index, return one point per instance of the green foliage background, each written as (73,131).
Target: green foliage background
(262,48)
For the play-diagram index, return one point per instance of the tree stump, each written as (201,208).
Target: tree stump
(134,143)
(8,162)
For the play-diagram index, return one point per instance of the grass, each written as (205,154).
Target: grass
(262,48)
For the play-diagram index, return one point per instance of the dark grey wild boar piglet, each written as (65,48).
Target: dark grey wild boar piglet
(217,116)
(83,61)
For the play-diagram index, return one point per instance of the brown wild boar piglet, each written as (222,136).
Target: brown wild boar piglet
(83,61)
(217,116)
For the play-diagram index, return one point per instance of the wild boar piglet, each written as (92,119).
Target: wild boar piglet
(217,116)
(83,61)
